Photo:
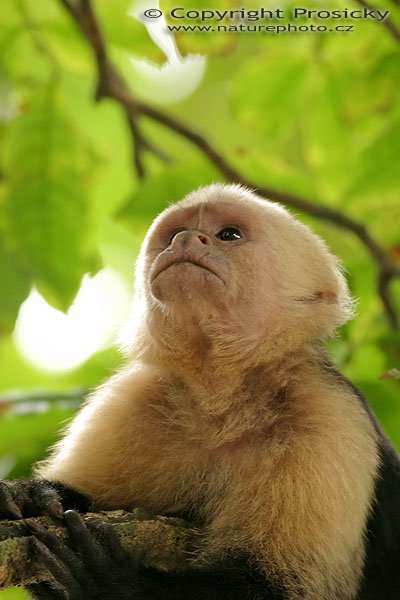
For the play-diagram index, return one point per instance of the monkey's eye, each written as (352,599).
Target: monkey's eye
(229,234)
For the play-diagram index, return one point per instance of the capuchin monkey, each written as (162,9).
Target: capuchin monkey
(229,413)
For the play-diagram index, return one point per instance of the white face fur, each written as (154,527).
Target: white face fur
(224,256)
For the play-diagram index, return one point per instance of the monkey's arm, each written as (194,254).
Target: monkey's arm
(30,498)
(94,565)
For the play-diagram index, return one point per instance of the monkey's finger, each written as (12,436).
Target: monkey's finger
(9,509)
(42,497)
(81,538)
(44,591)
(107,538)
(57,547)
(58,570)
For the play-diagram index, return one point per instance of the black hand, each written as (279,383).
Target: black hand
(91,567)
(20,499)
(31,498)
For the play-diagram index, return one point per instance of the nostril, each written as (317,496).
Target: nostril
(186,237)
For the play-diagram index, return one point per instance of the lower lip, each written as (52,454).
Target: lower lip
(188,262)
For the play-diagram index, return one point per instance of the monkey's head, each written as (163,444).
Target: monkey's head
(226,271)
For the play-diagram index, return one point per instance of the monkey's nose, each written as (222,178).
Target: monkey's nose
(185,239)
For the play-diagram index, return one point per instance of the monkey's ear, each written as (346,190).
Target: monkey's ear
(326,296)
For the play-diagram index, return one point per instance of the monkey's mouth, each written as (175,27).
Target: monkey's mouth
(197,263)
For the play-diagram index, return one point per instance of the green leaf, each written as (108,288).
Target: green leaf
(266,92)
(15,287)
(378,169)
(26,439)
(325,134)
(14,594)
(46,214)
(368,363)
(157,192)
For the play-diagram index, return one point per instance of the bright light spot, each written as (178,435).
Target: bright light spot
(178,77)
(171,82)
(54,341)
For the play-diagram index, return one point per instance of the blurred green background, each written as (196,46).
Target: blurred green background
(314,115)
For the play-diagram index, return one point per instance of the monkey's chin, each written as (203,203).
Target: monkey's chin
(187,283)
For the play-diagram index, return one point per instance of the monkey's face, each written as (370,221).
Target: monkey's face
(231,266)
(210,260)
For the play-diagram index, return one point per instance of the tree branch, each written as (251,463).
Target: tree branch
(137,532)
(387,23)
(141,145)
(83,14)
(28,403)
(111,85)
(138,146)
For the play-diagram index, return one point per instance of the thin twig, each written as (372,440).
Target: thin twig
(138,146)
(112,85)
(387,23)
(141,145)
(384,280)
